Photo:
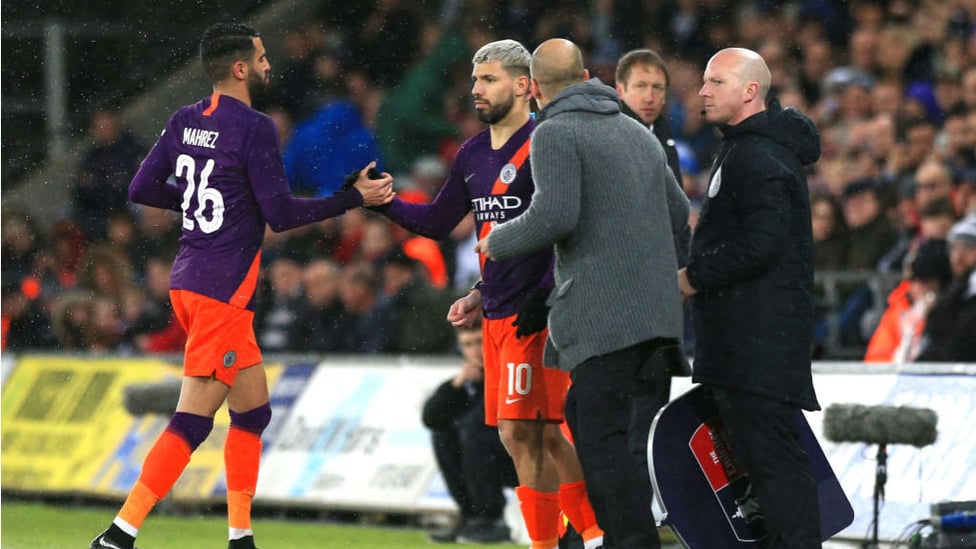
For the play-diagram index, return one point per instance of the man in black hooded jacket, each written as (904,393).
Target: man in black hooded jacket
(750,278)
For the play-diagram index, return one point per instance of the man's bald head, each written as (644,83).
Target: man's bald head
(750,67)
(736,83)
(557,64)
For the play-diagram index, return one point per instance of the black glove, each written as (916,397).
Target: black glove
(534,314)
(350,180)
(353,176)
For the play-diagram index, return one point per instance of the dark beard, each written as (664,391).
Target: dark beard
(257,86)
(497,112)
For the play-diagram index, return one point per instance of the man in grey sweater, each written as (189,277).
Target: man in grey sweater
(604,197)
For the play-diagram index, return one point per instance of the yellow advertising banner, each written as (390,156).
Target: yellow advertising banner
(65,429)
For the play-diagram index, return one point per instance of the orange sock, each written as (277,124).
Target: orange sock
(576,505)
(541,513)
(242,458)
(162,467)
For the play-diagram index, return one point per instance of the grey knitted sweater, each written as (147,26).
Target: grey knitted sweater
(604,196)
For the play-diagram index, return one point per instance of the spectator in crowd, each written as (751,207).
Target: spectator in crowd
(319,321)
(366,326)
(276,309)
(107,328)
(936,219)
(26,325)
(72,320)
(377,240)
(870,229)
(333,142)
(932,185)
(898,337)
(154,327)
(830,240)
(915,143)
(957,143)
(951,323)
(416,307)
(21,243)
(933,180)
(871,235)
(57,266)
(121,235)
(105,272)
(104,173)
(471,458)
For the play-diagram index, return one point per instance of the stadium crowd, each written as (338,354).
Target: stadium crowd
(891,84)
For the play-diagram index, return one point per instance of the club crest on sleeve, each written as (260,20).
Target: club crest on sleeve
(715,184)
(507,175)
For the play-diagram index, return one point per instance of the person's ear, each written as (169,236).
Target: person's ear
(534,88)
(523,87)
(240,70)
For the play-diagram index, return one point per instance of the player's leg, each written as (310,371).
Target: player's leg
(515,398)
(250,413)
(209,366)
(538,490)
(166,460)
(573,498)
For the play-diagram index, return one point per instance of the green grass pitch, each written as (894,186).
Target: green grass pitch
(48,526)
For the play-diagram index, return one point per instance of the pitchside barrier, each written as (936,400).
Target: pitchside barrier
(346,434)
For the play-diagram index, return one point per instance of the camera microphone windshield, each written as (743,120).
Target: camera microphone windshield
(880,424)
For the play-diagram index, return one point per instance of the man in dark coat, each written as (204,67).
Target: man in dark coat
(751,277)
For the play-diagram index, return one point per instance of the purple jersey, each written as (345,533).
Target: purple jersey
(228,181)
(488,182)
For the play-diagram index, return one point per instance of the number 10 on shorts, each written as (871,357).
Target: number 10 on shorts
(519,378)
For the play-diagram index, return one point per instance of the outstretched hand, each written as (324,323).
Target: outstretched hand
(376,192)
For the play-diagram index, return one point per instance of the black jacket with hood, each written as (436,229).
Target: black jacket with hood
(752,260)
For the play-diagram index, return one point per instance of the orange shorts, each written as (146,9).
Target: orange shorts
(517,385)
(220,337)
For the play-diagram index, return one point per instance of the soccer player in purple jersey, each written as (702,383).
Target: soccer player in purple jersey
(491,176)
(218,162)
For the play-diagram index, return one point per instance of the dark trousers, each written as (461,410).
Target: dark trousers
(610,407)
(474,464)
(763,435)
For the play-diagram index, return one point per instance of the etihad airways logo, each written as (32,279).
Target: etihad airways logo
(495,207)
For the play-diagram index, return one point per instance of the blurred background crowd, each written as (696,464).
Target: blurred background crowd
(891,84)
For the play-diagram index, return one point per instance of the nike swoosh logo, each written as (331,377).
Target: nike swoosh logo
(467,177)
(511,400)
(105,544)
